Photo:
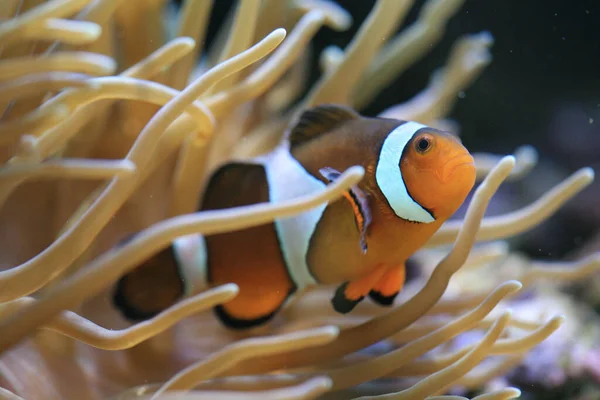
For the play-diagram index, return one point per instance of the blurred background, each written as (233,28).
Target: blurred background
(542,88)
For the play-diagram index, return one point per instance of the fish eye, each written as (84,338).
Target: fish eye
(423,144)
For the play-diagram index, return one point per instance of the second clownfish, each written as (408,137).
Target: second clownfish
(416,177)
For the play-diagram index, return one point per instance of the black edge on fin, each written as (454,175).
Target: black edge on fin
(239,324)
(318,120)
(340,303)
(360,205)
(381,299)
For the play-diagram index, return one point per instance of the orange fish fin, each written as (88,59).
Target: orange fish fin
(386,290)
(349,294)
(359,202)
(319,120)
(155,285)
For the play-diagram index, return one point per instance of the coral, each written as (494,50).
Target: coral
(110,127)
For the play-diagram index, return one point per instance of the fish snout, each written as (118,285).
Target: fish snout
(462,163)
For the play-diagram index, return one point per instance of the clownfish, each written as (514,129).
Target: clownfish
(415,178)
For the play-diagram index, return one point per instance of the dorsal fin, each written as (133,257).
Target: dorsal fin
(319,120)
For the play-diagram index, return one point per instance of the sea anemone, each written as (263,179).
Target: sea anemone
(109,126)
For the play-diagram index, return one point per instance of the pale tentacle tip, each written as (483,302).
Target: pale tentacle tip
(129,166)
(509,310)
(513,285)
(500,247)
(330,58)
(527,153)
(587,173)
(479,54)
(485,37)
(230,288)
(93,30)
(333,54)
(185,41)
(527,158)
(512,392)
(504,167)
(355,171)
(279,33)
(321,383)
(507,162)
(341,21)
(108,64)
(330,331)
(315,16)
(351,176)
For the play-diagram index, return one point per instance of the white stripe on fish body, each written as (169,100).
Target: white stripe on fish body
(190,252)
(389,176)
(287,180)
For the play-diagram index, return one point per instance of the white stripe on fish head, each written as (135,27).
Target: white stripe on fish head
(389,175)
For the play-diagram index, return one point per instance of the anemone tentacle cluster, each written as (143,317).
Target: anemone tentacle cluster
(109,126)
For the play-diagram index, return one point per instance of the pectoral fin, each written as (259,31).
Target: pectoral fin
(358,201)
(388,287)
(349,294)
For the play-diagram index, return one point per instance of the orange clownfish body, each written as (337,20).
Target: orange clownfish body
(416,177)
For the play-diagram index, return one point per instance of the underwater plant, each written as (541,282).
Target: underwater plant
(110,127)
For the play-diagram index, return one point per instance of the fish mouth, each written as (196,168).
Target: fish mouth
(458,162)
